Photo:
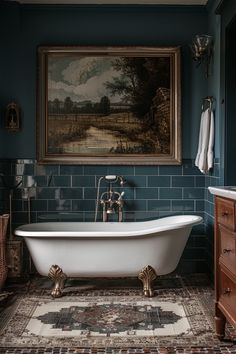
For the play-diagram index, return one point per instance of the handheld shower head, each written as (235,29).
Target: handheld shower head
(110,178)
(114,178)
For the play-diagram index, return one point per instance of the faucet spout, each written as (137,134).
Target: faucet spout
(110,211)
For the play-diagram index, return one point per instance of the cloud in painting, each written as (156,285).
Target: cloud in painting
(81,79)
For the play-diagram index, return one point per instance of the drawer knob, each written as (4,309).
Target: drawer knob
(225,213)
(226,250)
(227,291)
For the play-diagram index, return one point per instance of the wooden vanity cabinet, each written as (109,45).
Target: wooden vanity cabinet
(225,264)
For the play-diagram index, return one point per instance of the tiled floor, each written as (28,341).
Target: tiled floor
(187,290)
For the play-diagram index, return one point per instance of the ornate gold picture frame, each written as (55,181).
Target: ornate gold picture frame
(109,105)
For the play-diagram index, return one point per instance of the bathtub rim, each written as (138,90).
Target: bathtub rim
(24,230)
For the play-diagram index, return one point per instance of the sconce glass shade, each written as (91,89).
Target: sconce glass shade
(202,50)
(203,42)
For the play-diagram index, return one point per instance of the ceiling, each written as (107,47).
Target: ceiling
(110,2)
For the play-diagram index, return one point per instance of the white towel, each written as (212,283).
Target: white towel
(204,158)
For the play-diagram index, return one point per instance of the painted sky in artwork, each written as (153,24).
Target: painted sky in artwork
(80,79)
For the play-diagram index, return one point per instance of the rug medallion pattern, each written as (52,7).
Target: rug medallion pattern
(118,317)
(108,318)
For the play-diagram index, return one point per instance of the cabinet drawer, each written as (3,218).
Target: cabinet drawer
(228,294)
(227,245)
(225,212)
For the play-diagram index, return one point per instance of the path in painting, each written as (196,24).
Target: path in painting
(98,141)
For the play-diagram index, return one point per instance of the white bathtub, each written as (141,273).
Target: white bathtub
(88,249)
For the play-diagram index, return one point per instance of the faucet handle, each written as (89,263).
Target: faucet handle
(120,200)
(102,201)
(121,195)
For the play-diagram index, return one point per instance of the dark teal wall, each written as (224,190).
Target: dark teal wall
(220,15)
(214,26)
(24,27)
(228,15)
(230,147)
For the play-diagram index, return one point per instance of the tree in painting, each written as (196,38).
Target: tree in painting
(105,105)
(142,80)
(139,81)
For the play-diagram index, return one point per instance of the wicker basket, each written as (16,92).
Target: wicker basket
(3,231)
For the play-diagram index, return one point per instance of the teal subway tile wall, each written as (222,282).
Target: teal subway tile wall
(68,193)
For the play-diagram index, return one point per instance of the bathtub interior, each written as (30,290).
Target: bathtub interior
(108,229)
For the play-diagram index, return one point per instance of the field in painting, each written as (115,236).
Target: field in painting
(117,133)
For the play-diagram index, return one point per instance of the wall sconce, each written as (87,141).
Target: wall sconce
(12,117)
(201,47)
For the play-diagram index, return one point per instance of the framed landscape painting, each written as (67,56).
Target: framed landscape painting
(108,105)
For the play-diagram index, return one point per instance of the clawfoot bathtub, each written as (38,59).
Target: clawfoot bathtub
(87,249)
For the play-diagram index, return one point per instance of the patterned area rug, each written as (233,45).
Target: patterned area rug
(105,316)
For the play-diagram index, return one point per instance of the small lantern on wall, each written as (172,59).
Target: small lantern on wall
(12,117)
(202,50)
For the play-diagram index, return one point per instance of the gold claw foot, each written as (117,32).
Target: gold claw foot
(147,275)
(59,278)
